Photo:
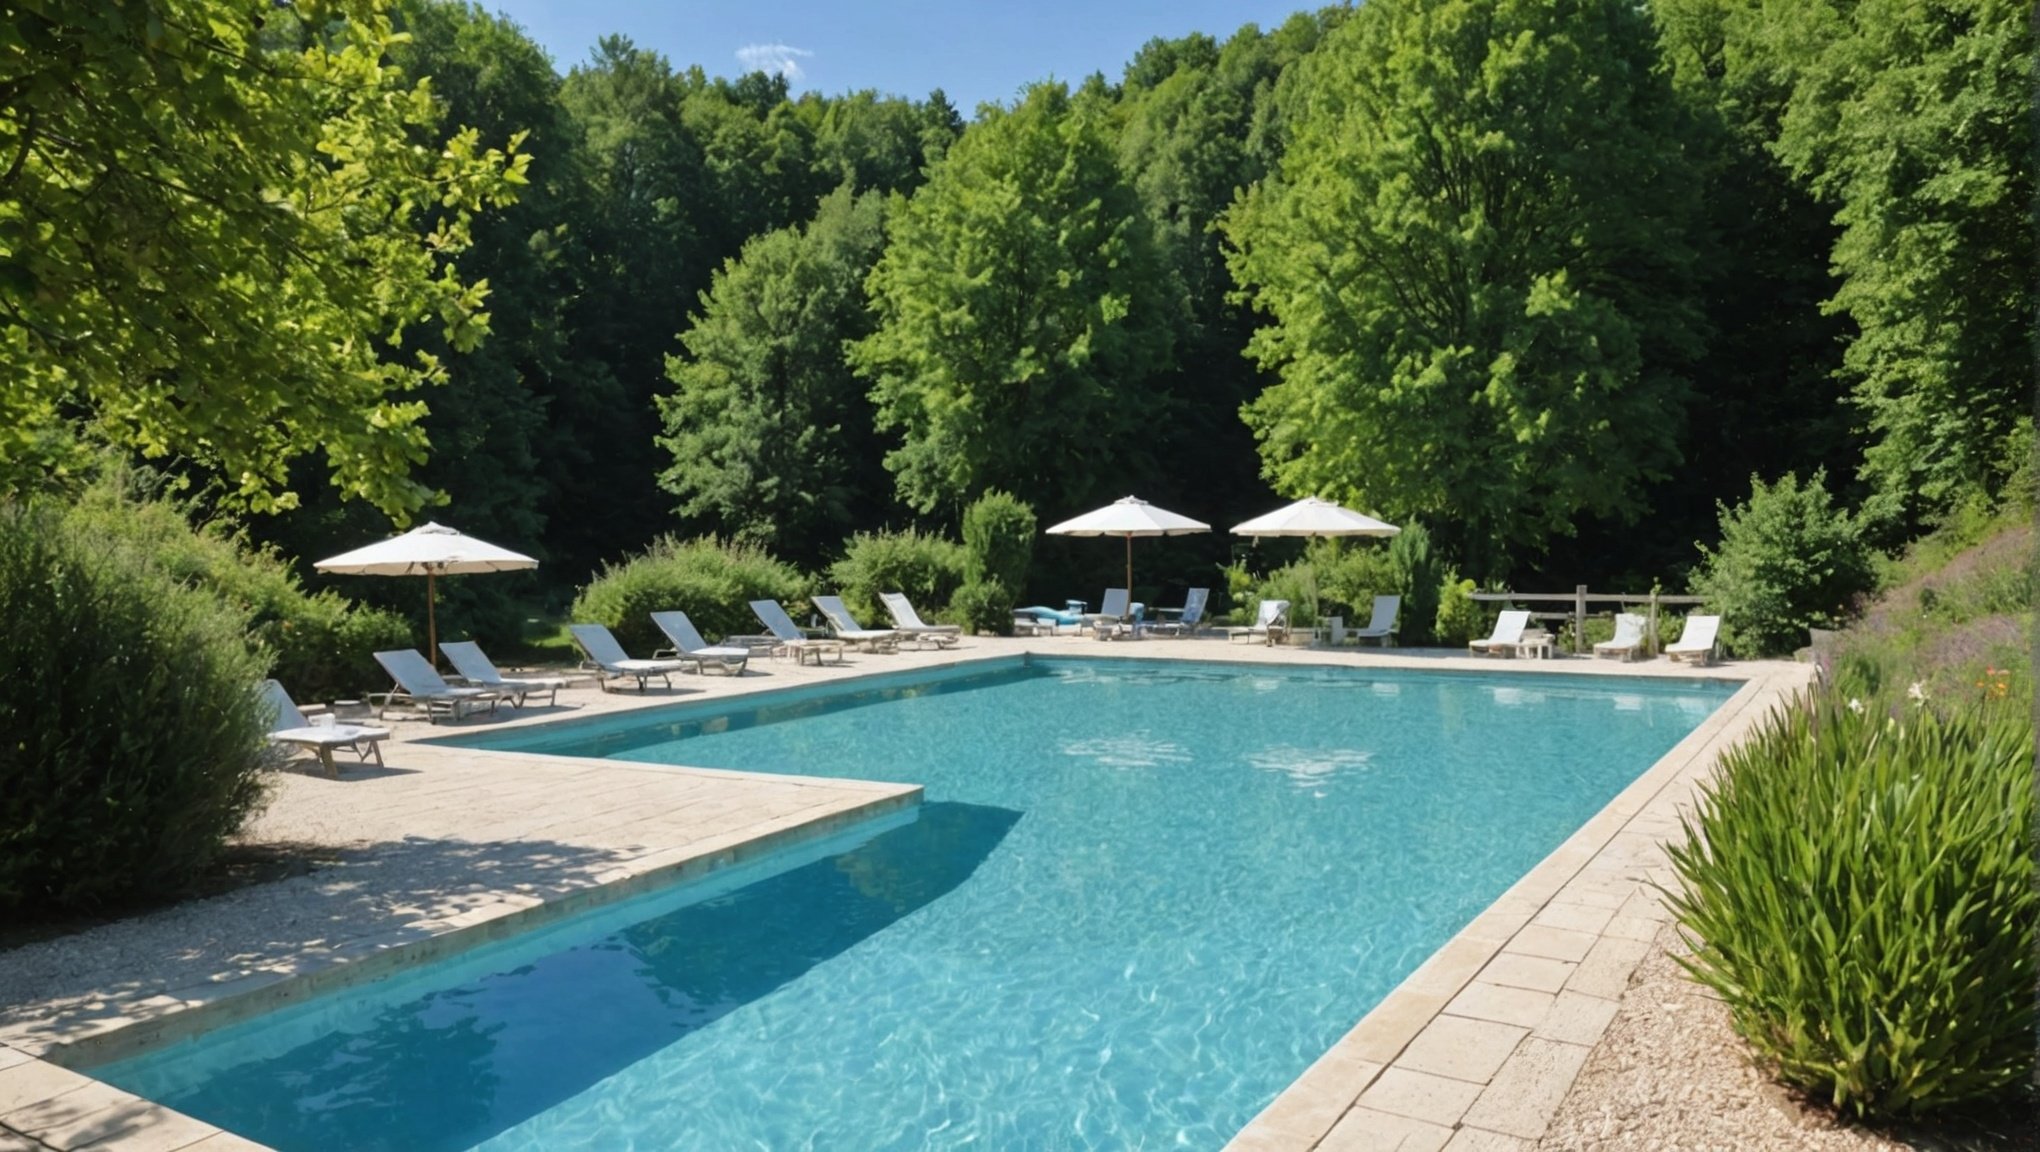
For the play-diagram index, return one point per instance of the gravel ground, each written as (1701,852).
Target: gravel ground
(1670,1074)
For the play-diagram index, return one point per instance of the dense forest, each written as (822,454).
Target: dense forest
(1554,279)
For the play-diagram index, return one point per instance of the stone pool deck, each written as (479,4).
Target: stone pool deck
(445,849)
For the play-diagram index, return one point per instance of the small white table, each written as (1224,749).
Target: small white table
(1536,645)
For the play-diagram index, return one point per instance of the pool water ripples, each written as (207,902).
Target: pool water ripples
(1138,902)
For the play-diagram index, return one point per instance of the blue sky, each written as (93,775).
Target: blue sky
(971,49)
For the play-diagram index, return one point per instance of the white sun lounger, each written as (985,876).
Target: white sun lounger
(911,625)
(845,627)
(1112,611)
(479,672)
(1382,626)
(291,727)
(1628,641)
(1508,633)
(1186,621)
(1696,640)
(689,645)
(788,639)
(602,650)
(1271,619)
(420,685)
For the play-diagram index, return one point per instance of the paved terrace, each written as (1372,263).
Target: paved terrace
(445,849)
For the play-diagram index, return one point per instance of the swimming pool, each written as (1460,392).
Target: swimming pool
(1140,899)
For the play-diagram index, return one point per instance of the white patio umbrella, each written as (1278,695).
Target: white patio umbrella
(432,551)
(1314,517)
(1129,517)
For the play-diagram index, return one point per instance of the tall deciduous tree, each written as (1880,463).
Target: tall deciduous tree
(210,240)
(769,429)
(1189,144)
(1022,313)
(1475,262)
(1913,119)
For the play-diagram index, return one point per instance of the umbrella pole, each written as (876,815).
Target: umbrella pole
(431,618)
(1129,573)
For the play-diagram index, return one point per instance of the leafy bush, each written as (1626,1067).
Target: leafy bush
(711,581)
(1460,617)
(1419,577)
(1789,560)
(1238,591)
(925,567)
(998,541)
(1861,888)
(135,734)
(1352,576)
(985,606)
(322,643)
(1296,582)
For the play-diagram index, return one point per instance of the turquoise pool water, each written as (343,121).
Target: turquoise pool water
(1140,899)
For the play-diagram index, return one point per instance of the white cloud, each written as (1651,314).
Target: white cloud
(781,58)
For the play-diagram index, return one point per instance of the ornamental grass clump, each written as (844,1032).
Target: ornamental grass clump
(1859,889)
(135,738)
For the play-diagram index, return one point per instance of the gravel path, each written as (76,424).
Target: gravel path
(1670,1074)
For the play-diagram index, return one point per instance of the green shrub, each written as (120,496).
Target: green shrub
(926,567)
(713,582)
(998,541)
(1419,577)
(322,643)
(985,606)
(1350,575)
(1239,588)
(134,730)
(1860,885)
(1789,560)
(1460,617)
(1296,582)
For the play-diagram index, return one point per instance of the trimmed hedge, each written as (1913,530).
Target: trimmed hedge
(983,607)
(998,541)
(1859,884)
(926,567)
(711,581)
(135,733)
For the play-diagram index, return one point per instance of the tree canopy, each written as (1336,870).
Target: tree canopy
(1476,264)
(1556,279)
(1022,311)
(230,274)
(769,428)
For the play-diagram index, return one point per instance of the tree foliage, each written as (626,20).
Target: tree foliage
(213,240)
(1021,313)
(1789,560)
(1476,265)
(769,430)
(1913,119)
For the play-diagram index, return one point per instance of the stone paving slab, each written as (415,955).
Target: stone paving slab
(443,849)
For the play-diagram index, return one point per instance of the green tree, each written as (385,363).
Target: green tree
(1188,145)
(1913,121)
(1789,560)
(643,252)
(879,142)
(1475,261)
(769,430)
(1021,312)
(211,242)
